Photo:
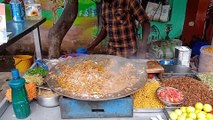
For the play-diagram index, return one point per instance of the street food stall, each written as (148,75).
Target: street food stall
(105,86)
(166,85)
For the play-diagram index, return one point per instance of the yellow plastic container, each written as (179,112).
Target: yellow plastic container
(205,60)
(23,62)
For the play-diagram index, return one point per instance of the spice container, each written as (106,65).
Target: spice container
(32,10)
(206,59)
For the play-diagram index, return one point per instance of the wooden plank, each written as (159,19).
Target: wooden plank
(154,67)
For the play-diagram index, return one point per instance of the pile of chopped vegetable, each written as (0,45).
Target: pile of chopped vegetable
(39,70)
(37,79)
(207,78)
(31,92)
(36,75)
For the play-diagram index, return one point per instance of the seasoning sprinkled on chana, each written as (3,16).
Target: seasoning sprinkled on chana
(146,97)
(207,78)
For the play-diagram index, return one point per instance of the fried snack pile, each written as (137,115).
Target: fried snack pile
(146,96)
(209,49)
(31,92)
(90,78)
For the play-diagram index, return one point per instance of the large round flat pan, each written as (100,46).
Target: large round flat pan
(56,71)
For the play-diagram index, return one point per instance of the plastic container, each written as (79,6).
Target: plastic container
(73,55)
(167,62)
(23,62)
(32,10)
(20,101)
(205,60)
(82,51)
(17,11)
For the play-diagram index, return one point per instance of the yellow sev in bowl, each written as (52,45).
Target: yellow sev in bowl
(146,96)
(209,49)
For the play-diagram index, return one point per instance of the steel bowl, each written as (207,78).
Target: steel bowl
(167,103)
(52,101)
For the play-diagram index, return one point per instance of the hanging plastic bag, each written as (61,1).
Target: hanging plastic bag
(158,13)
(165,13)
(151,9)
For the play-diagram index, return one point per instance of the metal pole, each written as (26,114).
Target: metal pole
(37,43)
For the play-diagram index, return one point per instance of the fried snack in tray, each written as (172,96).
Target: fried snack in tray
(90,78)
(209,49)
(146,96)
(194,91)
(31,92)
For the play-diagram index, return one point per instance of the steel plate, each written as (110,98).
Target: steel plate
(56,70)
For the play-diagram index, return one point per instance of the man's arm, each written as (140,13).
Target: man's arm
(143,45)
(140,15)
(100,37)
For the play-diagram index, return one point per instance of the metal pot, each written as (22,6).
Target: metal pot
(52,101)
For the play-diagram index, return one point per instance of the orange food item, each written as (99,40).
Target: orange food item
(209,49)
(31,92)
(170,94)
(211,112)
(151,75)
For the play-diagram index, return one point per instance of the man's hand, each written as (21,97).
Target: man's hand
(100,37)
(143,44)
(142,50)
(90,48)
(141,53)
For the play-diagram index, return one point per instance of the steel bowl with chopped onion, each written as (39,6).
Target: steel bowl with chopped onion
(170,96)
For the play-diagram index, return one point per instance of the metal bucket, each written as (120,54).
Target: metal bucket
(183,55)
